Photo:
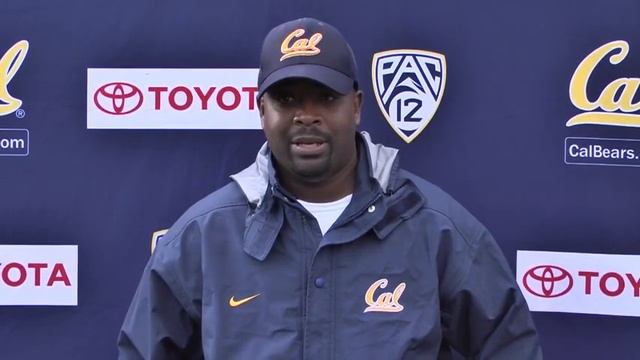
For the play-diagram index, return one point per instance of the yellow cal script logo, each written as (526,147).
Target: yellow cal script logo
(386,302)
(615,103)
(10,64)
(301,47)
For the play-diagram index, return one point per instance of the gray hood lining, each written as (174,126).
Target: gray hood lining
(254,180)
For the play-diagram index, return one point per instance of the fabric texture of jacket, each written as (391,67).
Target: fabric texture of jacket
(404,273)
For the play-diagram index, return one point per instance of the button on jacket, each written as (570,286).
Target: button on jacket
(404,273)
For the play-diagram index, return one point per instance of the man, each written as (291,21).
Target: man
(324,248)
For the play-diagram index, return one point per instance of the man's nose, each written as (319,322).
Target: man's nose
(307,114)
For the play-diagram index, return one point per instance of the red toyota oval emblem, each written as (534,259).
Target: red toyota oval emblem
(547,281)
(118,98)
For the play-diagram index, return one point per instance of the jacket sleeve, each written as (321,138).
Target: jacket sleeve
(163,318)
(485,316)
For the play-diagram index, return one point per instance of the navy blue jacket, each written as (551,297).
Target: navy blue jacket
(404,273)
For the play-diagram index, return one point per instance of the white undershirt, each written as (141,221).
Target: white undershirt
(326,213)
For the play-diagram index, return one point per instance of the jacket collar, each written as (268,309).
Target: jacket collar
(376,167)
(255,179)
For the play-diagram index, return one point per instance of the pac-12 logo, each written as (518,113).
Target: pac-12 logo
(408,85)
(10,63)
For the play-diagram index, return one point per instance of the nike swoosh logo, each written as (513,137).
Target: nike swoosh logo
(234,303)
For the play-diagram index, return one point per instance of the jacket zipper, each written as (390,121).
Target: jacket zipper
(304,292)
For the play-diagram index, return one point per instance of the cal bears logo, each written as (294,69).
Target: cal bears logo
(10,63)
(615,105)
(408,85)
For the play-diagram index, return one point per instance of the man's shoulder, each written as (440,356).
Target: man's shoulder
(445,206)
(436,198)
(229,195)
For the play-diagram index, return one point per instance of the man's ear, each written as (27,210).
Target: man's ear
(261,110)
(357,106)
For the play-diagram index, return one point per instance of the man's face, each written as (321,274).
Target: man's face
(310,128)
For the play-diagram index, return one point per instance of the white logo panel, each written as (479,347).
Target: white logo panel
(172,99)
(580,283)
(38,275)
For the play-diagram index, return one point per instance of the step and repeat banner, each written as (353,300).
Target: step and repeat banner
(116,116)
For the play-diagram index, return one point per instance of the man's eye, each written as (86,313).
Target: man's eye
(328,97)
(285,98)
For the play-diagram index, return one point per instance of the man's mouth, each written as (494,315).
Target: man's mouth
(308,145)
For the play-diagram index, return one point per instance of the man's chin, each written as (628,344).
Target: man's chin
(311,172)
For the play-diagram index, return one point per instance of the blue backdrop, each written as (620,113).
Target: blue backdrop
(496,142)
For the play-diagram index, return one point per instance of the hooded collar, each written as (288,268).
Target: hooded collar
(255,179)
(258,182)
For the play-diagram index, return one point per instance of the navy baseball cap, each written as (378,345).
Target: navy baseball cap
(310,49)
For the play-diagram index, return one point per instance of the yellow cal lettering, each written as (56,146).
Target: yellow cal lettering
(368,296)
(301,47)
(285,48)
(384,299)
(627,88)
(580,78)
(616,96)
(386,302)
(9,65)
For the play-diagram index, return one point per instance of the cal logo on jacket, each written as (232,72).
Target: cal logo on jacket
(386,301)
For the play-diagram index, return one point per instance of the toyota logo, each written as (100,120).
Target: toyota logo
(547,281)
(118,98)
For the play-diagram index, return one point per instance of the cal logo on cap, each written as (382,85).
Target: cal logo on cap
(301,47)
